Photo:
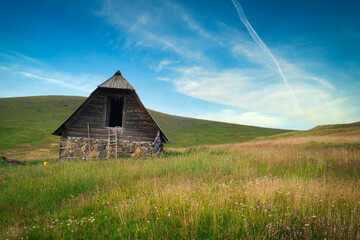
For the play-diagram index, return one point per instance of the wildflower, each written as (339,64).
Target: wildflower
(306,225)
(314,216)
(169,215)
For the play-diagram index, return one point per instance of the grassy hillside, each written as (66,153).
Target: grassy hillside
(279,189)
(184,132)
(31,120)
(350,129)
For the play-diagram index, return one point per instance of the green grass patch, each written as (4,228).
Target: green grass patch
(31,120)
(291,191)
(185,132)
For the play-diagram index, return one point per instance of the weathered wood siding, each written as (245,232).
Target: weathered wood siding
(138,125)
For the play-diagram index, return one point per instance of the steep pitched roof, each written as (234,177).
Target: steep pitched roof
(117,81)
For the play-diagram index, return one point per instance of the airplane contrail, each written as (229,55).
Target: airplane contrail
(262,45)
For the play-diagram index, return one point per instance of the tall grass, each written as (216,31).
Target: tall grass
(271,190)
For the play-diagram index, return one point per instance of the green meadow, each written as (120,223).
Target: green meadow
(293,185)
(26,124)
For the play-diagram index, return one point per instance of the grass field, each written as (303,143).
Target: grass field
(289,188)
(295,185)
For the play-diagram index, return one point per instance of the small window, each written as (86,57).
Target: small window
(115,112)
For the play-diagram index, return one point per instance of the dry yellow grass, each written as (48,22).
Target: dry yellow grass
(295,188)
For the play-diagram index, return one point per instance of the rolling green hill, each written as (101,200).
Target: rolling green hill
(31,120)
(322,130)
(184,132)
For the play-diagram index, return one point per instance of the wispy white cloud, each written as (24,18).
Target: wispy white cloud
(59,81)
(263,46)
(30,59)
(81,82)
(189,21)
(271,89)
(247,118)
(240,88)
(25,67)
(162,64)
(163,79)
(16,56)
(147,25)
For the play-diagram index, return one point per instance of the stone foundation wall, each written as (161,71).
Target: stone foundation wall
(72,148)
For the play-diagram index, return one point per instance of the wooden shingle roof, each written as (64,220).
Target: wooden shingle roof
(117,81)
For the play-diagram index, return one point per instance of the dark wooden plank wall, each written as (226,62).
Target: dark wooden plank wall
(138,124)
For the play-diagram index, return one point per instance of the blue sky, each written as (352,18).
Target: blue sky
(284,64)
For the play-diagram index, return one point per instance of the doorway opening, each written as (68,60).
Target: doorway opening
(115,111)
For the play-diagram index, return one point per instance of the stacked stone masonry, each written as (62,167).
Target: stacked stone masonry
(77,148)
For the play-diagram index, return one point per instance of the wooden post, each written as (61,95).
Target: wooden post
(116,142)
(88,129)
(108,150)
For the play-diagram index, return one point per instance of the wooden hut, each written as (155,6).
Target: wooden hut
(111,122)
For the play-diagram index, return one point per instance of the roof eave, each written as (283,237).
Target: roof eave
(59,130)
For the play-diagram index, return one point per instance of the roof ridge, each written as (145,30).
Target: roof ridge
(117,81)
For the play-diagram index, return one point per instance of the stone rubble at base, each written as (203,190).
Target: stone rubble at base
(77,148)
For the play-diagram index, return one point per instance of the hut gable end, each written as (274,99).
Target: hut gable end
(114,105)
